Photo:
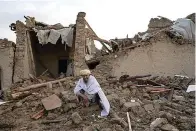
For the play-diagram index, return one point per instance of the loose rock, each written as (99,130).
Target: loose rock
(129,105)
(119,121)
(106,129)
(157,122)
(76,118)
(149,107)
(168,127)
(88,128)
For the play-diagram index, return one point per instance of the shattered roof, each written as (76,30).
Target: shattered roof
(32,23)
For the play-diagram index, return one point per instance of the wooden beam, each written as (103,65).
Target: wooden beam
(129,122)
(41,85)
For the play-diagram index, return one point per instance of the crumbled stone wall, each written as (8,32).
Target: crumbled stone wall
(22,67)
(104,69)
(21,55)
(80,38)
(22,63)
(6,63)
(162,58)
(158,23)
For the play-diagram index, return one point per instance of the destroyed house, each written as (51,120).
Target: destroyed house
(52,50)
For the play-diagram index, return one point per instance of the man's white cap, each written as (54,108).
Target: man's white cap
(85,72)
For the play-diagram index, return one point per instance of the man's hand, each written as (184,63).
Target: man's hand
(85,100)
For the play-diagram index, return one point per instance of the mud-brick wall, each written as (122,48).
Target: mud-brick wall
(162,58)
(6,63)
(79,53)
(21,60)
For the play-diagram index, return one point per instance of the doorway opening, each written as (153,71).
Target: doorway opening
(62,68)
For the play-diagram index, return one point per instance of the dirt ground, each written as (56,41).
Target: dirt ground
(133,96)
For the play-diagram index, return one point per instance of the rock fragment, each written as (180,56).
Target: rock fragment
(106,129)
(157,122)
(88,128)
(169,127)
(128,105)
(76,118)
(69,106)
(119,121)
(149,107)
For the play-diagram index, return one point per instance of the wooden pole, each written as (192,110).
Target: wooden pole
(129,122)
(41,85)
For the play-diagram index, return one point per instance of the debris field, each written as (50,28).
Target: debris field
(151,103)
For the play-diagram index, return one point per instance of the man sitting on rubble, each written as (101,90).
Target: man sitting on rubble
(89,91)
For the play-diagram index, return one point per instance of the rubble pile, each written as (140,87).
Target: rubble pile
(153,103)
(178,31)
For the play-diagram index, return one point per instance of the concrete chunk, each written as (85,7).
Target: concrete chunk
(51,102)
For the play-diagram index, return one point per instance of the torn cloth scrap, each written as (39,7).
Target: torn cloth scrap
(52,36)
(66,36)
(43,36)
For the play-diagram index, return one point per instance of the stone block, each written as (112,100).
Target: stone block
(118,128)
(149,107)
(122,101)
(69,106)
(106,129)
(19,104)
(112,97)
(128,105)
(88,128)
(119,121)
(51,102)
(157,122)
(76,118)
(68,97)
(169,127)
(178,98)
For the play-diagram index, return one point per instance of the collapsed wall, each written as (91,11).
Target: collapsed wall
(161,58)
(21,62)
(6,63)
(31,61)
(157,51)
